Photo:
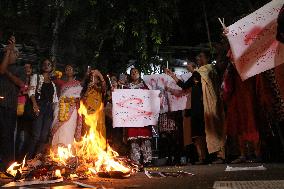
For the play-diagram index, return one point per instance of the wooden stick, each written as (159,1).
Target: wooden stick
(222,23)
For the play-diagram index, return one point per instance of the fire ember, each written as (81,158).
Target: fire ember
(90,157)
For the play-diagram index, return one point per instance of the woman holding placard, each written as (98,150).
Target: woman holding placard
(139,137)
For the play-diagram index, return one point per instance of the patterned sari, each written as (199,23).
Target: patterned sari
(67,124)
(93,99)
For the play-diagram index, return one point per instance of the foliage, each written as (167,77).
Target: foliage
(108,33)
(102,33)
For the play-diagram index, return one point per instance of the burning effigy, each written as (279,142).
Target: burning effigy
(90,157)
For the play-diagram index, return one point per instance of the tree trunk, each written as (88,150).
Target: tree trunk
(57,23)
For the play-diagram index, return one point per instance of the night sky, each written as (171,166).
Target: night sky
(189,27)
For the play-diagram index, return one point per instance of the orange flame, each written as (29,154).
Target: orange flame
(57,173)
(15,167)
(93,150)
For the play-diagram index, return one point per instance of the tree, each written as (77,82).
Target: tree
(107,33)
(104,33)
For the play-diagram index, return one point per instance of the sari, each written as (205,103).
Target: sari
(67,124)
(213,109)
(93,101)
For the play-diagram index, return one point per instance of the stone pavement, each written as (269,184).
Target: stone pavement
(204,177)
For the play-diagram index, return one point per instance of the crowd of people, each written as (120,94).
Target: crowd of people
(230,120)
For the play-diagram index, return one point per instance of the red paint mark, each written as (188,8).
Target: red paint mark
(164,82)
(140,112)
(252,35)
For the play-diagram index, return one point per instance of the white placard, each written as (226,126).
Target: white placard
(168,102)
(135,107)
(253,41)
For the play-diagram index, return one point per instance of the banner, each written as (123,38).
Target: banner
(253,41)
(135,107)
(169,102)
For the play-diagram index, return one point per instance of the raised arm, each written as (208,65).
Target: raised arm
(188,84)
(98,73)
(8,55)
(5,62)
(15,79)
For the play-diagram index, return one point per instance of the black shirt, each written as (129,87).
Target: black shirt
(9,90)
(47,91)
(194,82)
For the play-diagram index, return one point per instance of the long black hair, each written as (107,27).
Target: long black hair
(130,78)
(41,64)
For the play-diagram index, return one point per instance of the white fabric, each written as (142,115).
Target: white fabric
(65,133)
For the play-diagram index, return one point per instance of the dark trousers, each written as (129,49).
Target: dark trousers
(40,130)
(8,119)
(22,137)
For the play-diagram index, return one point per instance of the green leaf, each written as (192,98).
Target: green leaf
(135,33)
(153,20)
(93,2)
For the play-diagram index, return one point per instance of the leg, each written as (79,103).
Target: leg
(7,128)
(200,143)
(20,138)
(135,153)
(27,135)
(45,131)
(35,135)
(242,157)
(146,149)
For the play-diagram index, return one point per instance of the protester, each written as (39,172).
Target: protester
(44,96)
(139,138)
(115,136)
(67,123)
(171,129)
(196,113)
(9,89)
(24,120)
(208,108)
(93,94)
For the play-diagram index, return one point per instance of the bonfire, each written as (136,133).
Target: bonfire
(91,156)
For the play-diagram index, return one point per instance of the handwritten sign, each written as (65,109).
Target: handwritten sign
(135,107)
(168,102)
(253,41)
